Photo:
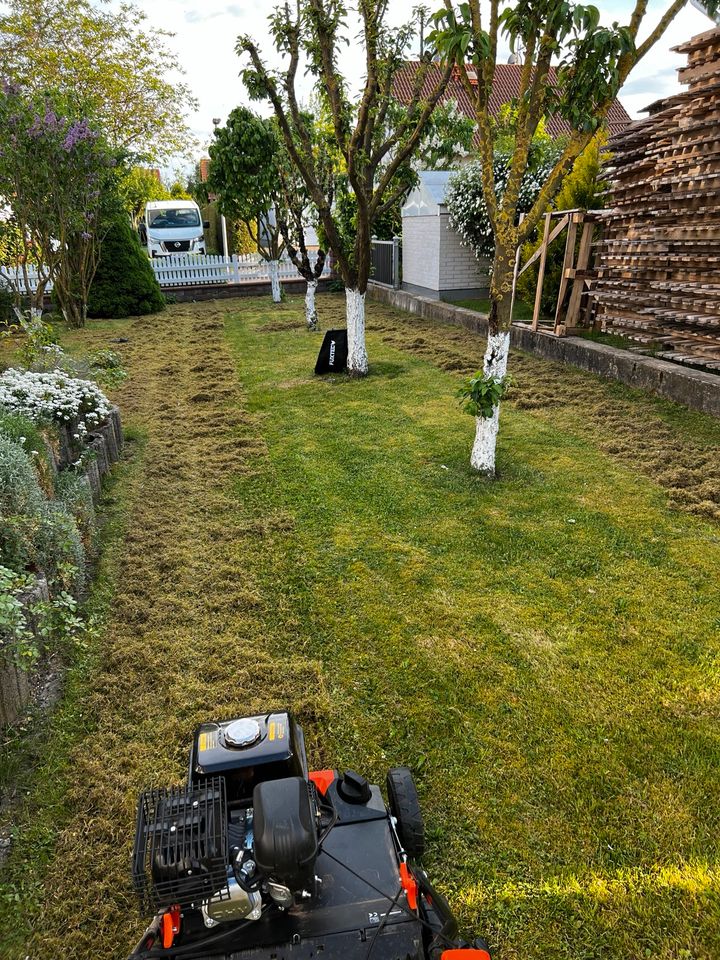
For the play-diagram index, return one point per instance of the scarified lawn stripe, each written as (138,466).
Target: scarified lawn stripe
(184,641)
(674,446)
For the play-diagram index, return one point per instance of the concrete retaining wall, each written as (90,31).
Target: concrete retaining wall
(694,388)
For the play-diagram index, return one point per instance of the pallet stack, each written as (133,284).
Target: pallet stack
(659,261)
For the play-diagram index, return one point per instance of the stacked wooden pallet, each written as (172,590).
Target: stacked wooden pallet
(659,263)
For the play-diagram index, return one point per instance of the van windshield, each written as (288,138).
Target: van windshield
(173,218)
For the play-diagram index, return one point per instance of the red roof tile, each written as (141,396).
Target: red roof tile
(506,84)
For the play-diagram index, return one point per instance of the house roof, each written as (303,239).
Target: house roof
(429,194)
(506,84)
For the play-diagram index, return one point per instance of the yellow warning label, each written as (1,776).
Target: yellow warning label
(271,731)
(207,741)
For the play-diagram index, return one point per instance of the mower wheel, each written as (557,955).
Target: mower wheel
(405,807)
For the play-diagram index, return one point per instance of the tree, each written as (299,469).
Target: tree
(593,62)
(465,198)
(124,73)
(56,170)
(137,186)
(293,207)
(124,284)
(446,138)
(244,176)
(372,151)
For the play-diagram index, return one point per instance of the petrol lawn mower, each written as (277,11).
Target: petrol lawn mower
(258,859)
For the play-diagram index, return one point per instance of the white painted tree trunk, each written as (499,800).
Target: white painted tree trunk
(486,428)
(357,363)
(274,271)
(311,316)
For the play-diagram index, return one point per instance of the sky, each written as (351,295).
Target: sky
(206,32)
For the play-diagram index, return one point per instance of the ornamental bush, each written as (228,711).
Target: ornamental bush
(19,488)
(37,441)
(125,284)
(466,203)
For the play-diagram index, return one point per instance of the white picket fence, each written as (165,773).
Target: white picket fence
(188,269)
(14,278)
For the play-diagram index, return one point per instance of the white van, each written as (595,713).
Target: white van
(172,226)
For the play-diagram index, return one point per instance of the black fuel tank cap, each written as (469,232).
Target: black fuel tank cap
(353,788)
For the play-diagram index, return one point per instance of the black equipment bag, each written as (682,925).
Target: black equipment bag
(333,352)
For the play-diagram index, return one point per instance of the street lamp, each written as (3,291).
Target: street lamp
(223,223)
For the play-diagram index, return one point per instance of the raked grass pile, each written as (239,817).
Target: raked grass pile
(542,650)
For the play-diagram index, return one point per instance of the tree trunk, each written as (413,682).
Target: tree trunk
(274,271)
(357,363)
(311,316)
(482,457)
(486,428)
(75,313)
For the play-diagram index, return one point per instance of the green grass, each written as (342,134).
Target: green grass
(542,649)
(521,311)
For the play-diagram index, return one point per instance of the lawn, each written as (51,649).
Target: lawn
(521,311)
(541,649)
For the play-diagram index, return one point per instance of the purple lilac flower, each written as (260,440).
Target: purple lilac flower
(80,130)
(51,119)
(37,127)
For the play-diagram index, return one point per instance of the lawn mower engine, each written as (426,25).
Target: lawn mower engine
(258,859)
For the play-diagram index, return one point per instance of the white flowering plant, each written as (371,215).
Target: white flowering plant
(67,401)
(466,203)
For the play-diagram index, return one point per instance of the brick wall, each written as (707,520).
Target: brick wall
(421,252)
(434,262)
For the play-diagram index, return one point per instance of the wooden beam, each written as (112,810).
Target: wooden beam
(567,267)
(556,232)
(579,281)
(541,271)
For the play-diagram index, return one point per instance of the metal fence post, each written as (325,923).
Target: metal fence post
(396,263)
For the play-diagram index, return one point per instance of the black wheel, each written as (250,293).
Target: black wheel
(405,807)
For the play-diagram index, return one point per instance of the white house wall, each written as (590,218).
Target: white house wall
(434,262)
(421,253)
(459,270)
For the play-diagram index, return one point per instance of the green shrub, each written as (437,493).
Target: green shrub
(59,549)
(17,641)
(37,441)
(125,284)
(582,189)
(20,491)
(74,493)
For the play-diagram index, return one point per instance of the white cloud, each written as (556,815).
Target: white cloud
(205,37)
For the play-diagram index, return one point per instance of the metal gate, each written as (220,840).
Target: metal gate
(386,262)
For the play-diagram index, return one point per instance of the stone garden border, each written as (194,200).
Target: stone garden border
(106,444)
